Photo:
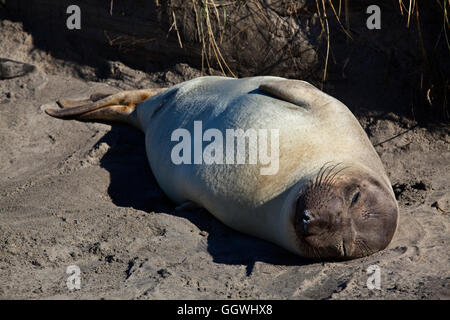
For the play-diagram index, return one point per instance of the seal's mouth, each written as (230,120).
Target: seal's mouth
(344,215)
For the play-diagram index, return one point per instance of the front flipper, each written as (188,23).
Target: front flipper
(297,92)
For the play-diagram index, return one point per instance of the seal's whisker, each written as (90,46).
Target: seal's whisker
(358,246)
(332,178)
(324,178)
(329,235)
(317,252)
(330,172)
(362,245)
(369,249)
(319,177)
(320,174)
(326,173)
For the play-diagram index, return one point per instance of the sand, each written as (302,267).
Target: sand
(74,193)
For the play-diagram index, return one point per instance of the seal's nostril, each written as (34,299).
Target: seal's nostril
(306,220)
(306,216)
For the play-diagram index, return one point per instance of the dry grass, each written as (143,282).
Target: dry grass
(204,9)
(437,83)
(432,81)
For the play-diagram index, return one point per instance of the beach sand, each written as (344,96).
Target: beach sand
(74,193)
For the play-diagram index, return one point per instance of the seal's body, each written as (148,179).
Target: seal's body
(330,196)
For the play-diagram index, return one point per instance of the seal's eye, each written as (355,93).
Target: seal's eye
(355,197)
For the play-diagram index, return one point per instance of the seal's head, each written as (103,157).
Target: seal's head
(344,213)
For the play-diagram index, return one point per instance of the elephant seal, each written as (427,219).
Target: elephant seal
(329,197)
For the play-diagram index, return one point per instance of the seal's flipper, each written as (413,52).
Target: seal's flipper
(298,92)
(98,96)
(110,113)
(114,107)
(68,103)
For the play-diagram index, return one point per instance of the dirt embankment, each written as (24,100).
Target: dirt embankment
(402,67)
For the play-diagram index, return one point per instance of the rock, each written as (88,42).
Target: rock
(12,69)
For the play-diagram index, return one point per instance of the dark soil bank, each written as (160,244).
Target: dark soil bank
(402,67)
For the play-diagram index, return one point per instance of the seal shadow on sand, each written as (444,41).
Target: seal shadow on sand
(132,184)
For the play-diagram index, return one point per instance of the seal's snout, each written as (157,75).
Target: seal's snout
(348,217)
(321,218)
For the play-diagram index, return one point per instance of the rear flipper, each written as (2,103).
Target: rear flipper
(68,103)
(100,106)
